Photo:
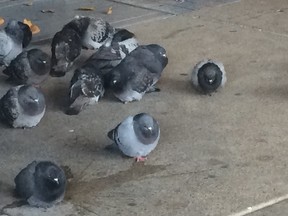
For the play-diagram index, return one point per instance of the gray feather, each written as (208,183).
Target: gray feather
(138,72)
(42,184)
(22,106)
(136,136)
(87,87)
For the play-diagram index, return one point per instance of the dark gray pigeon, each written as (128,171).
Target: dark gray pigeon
(136,136)
(12,39)
(66,46)
(41,184)
(86,88)
(138,72)
(22,106)
(29,67)
(98,33)
(208,75)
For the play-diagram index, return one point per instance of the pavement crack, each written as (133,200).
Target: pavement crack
(82,173)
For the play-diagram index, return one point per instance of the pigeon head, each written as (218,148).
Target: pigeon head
(31,100)
(50,180)
(39,61)
(160,53)
(116,81)
(209,77)
(27,34)
(146,128)
(79,24)
(14,30)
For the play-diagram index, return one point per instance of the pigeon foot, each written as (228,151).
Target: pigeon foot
(140,159)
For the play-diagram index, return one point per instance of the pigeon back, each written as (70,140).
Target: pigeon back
(18,68)
(24,181)
(79,24)
(9,106)
(98,33)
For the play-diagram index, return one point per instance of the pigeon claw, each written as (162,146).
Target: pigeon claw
(140,159)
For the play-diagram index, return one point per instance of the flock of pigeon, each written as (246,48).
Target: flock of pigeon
(119,64)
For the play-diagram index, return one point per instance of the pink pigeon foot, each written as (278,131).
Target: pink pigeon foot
(140,159)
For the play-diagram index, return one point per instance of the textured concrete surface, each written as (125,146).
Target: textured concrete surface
(217,155)
(125,12)
(65,10)
(279,209)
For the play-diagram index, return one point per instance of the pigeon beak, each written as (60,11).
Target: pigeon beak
(36,100)
(164,55)
(56,180)
(210,81)
(114,81)
(150,128)
(44,62)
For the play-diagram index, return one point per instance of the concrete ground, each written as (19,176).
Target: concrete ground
(224,155)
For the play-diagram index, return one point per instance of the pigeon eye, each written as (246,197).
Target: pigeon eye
(148,128)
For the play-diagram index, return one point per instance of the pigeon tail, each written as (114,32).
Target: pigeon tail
(60,69)
(78,105)
(111,134)
(54,73)
(6,71)
(153,89)
(75,110)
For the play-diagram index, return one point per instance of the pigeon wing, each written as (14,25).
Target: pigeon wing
(25,181)
(142,79)
(8,106)
(19,68)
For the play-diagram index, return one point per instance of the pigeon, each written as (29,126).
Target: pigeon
(98,33)
(136,136)
(208,75)
(29,67)
(12,40)
(66,46)
(88,83)
(41,184)
(22,106)
(138,72)
(106,58)
(86,88)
